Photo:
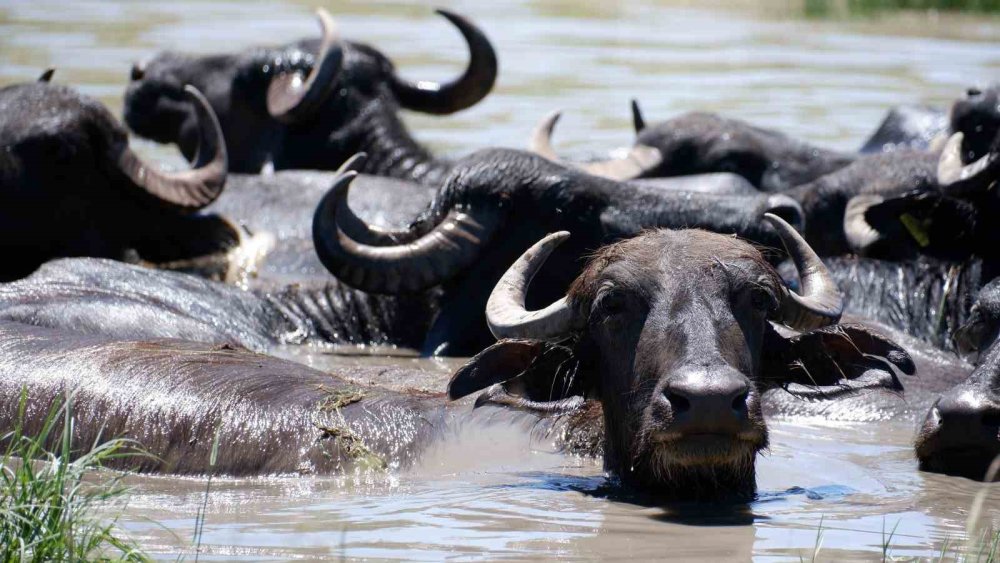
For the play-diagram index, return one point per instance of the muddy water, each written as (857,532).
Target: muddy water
(498,492)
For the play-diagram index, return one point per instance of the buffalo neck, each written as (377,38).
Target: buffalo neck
(391,150)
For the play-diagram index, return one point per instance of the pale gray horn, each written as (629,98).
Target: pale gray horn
(956,178)
(861,235)
(821,302)
(188,190)
(292,98)
(638,161)
(505,312)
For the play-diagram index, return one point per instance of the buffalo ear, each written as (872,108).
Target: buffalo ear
(501,362)
(833,360)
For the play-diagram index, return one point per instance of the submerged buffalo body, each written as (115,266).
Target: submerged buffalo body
(122,301)
(311,104)
(173,397)
(71,186)
(670,331)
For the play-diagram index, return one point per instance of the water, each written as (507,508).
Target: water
(496,493)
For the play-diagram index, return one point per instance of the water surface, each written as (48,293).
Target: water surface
(500,493)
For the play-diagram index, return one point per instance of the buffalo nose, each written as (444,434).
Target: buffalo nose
(138,71)
(966,419)
(708,405)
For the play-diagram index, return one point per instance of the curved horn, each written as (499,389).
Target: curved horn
(956,178)
(860,235)
(821,302)
(505,312)
(289,97)
(461,93)
(637,121)
(419,262)
(541,137)
(47,75)
(187,190)
(639,160)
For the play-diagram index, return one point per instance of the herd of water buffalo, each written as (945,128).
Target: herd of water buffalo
(858,286)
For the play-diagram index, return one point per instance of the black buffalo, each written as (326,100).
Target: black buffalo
(698,143)
(670,331)
(494,205)
(961,432)
(71,186)
(123,301)
(309,104)
(176,397)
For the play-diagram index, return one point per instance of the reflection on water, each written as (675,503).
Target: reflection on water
(494,491)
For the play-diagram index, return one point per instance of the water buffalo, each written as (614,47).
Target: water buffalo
(702,143)
(961,432)
(309,104)
(908,128)
(71,186)
(699,143)
(174,397)
(494,205)
(839,206)
(670,331)
(123,301)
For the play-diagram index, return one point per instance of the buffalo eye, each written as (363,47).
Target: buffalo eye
(609,302)
(763,300)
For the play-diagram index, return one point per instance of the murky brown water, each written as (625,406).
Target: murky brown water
(494,493)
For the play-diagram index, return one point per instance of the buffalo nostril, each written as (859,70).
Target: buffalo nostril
(992,418)
(973,92)
(138,71)
(740,402)
(678,403)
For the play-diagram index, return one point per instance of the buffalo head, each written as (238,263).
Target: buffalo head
(946,219)
(71,186)
(671,332)
(309,104)
(977,115)
(961,432)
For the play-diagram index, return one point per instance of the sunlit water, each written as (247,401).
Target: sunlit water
(495,492)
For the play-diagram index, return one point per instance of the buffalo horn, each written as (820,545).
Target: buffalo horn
(291,99)
(461,93)
(187,190)
(639,160)
(391,262)
(821,302)
(957,178)
(859,233)
(505,312)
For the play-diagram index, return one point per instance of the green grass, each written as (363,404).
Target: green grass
(49,501)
